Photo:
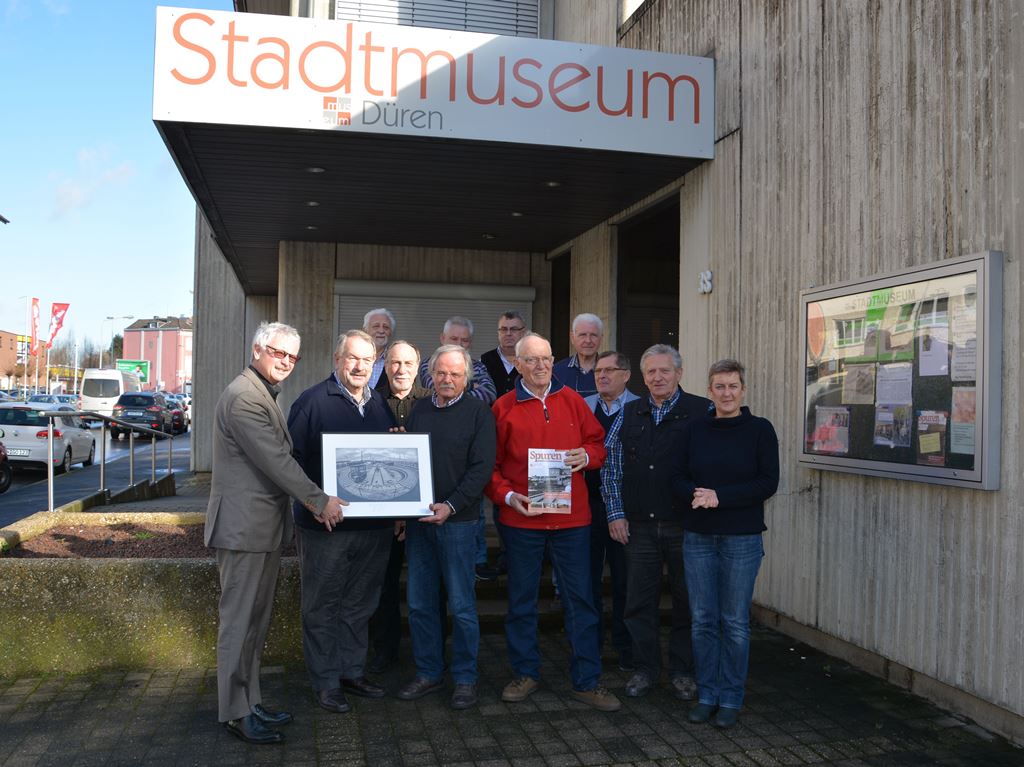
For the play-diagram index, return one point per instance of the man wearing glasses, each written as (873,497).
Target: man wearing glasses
(342,571)
(248,523)
(501,361)
(543,413)
(611,374)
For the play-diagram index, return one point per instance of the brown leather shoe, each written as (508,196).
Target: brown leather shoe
(519,689)
(362,687)
(419,687)
(333,700)
(600,698)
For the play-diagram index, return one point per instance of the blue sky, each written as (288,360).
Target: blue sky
(100,217)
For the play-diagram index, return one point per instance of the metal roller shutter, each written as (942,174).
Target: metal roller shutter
(421,309)
(517,18)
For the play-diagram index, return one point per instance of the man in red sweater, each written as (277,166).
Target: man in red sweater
(542,413)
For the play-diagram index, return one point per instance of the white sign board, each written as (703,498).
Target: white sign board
(249,69)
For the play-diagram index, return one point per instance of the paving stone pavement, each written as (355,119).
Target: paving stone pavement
(802,708)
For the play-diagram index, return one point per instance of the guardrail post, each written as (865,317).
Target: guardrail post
(170,452)
(131,458)
(103,456)
(49,464)
(152,459)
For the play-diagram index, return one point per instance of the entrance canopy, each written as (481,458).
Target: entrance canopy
(333,131)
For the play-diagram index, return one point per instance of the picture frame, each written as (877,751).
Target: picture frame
(380,475)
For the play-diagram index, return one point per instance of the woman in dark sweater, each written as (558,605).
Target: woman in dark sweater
(727,467)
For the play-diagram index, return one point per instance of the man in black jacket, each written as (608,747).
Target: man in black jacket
(500,361)
(342,570)
(644,516)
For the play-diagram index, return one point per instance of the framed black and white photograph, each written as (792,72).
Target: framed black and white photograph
(380,475)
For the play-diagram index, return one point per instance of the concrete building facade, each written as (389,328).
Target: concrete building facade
(849,140)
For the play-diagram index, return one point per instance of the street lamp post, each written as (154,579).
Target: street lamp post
(122,317)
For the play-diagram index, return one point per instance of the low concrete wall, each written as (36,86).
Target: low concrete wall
(76,615)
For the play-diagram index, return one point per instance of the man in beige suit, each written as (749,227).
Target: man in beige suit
(249,521)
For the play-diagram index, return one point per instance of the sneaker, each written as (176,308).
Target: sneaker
(600,698)
(701,713)
(519,689)
(638,685)
(726,717)
(684,687)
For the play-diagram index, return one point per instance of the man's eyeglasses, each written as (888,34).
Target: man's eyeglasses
(531,361)
(511,330)
(277,354)
(601,371)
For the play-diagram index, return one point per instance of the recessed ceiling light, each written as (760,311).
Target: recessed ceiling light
(552,184)
(516,214)
(314,169)
(487,236)
(311,227)
(313,204)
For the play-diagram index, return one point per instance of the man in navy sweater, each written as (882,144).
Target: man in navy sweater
(342,570)
(441,547)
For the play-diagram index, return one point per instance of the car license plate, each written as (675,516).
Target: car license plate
(134,413)
(17,451)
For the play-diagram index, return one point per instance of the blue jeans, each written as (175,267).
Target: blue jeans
(442,554)
(720,574)
(569,551)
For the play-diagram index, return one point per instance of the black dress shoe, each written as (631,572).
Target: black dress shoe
(252,730)
(270,717)
(333,700)
(363,687)
(419,687)
(381,662)
(464,696)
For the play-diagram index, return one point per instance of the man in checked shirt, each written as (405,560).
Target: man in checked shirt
(644,516)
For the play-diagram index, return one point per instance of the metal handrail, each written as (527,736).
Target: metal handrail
(131,428)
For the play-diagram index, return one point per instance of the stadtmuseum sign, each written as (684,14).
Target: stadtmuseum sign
(250,69)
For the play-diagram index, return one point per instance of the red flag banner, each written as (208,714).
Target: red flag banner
(34,346)
(57,312)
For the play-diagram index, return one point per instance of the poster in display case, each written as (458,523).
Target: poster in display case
(902,374)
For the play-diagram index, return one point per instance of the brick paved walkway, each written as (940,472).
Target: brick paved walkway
(802,708)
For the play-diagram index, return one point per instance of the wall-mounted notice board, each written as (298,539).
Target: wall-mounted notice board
(902,374)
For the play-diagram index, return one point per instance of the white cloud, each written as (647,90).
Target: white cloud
(71,194)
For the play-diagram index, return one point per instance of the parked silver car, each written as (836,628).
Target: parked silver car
(24,433)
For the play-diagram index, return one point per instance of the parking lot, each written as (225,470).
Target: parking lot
(28,492)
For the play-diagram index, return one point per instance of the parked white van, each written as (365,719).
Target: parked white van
(102,387)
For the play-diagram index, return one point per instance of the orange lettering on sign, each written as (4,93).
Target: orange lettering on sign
(627,109)
(370,49)
(346,56)
(180,40)
(532,85)
(499,95)
(231,38)
(282,59)
(554,89)
(396,55)
(671,82)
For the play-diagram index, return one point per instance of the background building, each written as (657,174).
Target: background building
(850,139)
(166,343)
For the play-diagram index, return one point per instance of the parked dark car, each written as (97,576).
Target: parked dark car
(6,472)
(144,408)
(179,423)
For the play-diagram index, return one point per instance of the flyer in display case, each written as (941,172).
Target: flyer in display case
(902,374)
